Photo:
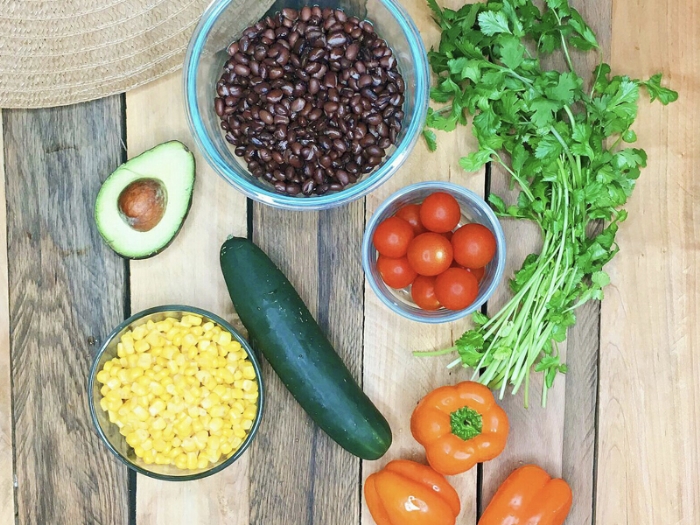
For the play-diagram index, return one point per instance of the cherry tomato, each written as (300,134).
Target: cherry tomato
(411,214)
(474,245)
(392,236)
(423,293)
(456,288)
(430,254)
(440,212)
(396,273)
(448,235)
(477,272)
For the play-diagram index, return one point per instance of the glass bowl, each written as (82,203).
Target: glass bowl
(204,64)
(474,209)
(109,432)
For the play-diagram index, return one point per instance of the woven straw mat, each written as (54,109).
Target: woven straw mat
(58,52)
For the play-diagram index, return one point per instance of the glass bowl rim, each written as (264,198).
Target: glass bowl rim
(356,191)
(221,322)
(448,187)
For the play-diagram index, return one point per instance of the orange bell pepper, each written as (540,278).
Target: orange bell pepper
(529,496)
(459,426)
(408,493)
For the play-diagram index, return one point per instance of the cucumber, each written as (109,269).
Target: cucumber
(284,331)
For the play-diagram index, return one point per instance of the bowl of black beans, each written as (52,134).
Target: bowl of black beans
(313,105)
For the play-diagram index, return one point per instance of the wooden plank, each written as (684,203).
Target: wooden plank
(649,390)
(187,273)
(66,294)
(316,481)
(560,438)
(392,376)
(7,498)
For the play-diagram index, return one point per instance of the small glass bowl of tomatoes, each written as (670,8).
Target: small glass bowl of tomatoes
(434,252)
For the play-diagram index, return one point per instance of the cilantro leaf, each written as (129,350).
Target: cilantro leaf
(492,23)
(430,139)
(475,160)
(656,90)
(512,51)
(567,85)
(543,112)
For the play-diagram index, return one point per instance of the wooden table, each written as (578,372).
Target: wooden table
(622,427)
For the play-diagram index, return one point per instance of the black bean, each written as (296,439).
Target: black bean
(297,105)
(275,96)
(266,117)
(374,151)
(241,69)
(364,81)
(337,39)
(308,187)
(329,108)
(342,177)
(289,13)
(219,107)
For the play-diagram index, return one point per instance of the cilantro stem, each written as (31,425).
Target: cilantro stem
(564,46)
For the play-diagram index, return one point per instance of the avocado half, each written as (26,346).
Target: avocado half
(142,205)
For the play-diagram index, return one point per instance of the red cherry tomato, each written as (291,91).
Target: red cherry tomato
(423,293)
(440,212)
(456,288)
(474,245)
(411,214)
(430,254)
(392,236)
(396,273)
(477,272)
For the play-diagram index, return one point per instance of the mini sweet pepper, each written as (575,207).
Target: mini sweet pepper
(408,493)
(459,426)
(529,496)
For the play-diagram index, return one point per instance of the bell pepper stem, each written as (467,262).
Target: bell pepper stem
(466,423)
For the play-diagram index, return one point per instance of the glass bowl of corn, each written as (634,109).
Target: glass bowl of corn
(176,393)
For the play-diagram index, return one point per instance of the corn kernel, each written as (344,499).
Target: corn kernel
(192,458)
(181,461)
(224,339)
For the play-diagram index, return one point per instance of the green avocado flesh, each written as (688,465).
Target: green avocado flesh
(142,205)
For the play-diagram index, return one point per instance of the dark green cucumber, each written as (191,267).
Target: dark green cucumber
(282,328)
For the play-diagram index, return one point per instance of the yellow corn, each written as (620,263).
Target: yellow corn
(182,393)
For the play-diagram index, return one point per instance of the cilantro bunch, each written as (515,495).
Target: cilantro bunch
(564,148)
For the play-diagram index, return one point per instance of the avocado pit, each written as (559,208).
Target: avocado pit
(142,204)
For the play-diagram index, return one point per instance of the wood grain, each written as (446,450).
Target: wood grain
(66,294)
(648,451)
(560,438)
(187,273)
(7,497)
(307,478)
(392,376)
